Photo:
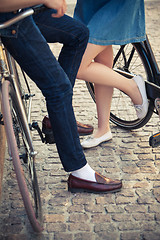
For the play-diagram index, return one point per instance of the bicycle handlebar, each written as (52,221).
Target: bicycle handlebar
(28,12)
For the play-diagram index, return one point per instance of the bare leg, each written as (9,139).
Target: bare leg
(96,67)
(103,94)
(100,74)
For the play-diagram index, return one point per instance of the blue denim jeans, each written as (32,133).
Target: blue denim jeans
(54,78)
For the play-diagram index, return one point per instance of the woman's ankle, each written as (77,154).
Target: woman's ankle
(100,132)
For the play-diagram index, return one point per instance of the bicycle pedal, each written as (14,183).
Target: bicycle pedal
(36,126)
(24,157)
(154,140)
(49,138)
(1,119)
(157,105)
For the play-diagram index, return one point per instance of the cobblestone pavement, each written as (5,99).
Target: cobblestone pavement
(132,214)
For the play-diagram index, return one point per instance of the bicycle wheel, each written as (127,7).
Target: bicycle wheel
(129,60)
(22,156)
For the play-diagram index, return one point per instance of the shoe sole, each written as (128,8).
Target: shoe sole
(143,95)
(81,190)
(97,144)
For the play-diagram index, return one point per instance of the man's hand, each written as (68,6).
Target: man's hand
(59,5)
(13,5)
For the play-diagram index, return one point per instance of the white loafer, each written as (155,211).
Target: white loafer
(141,110)
(93,142)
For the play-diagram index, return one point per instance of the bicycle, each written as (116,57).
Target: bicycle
(16,114)
(17,106)
(130,60)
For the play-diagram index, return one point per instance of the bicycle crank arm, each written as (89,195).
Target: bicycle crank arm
(154,140)
(35,126)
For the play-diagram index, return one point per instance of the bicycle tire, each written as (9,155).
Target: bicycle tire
(29,190)
(129,60)
(2,150)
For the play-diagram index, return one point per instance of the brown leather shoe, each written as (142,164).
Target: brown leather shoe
(83,129)
(103,184)
(47,130)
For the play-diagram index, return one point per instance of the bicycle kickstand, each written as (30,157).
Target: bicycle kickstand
(154,140)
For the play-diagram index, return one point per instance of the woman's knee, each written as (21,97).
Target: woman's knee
(81,72)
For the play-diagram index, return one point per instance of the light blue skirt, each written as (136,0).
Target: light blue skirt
(112,22)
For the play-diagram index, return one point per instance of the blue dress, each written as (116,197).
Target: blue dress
(112,22)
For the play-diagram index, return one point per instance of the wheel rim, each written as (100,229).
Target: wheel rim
(132,62)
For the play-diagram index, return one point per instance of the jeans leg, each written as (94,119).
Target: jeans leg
(71,33)
(32,52)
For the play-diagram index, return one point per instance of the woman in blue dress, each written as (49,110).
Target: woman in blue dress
(110,22)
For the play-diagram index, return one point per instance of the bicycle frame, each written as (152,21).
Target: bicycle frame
(153,62)
(17,126)
(152,84)
(6,58)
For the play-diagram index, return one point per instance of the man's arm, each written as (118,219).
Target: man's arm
(12,5)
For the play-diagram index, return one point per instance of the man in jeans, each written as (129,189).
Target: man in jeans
(27,42)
